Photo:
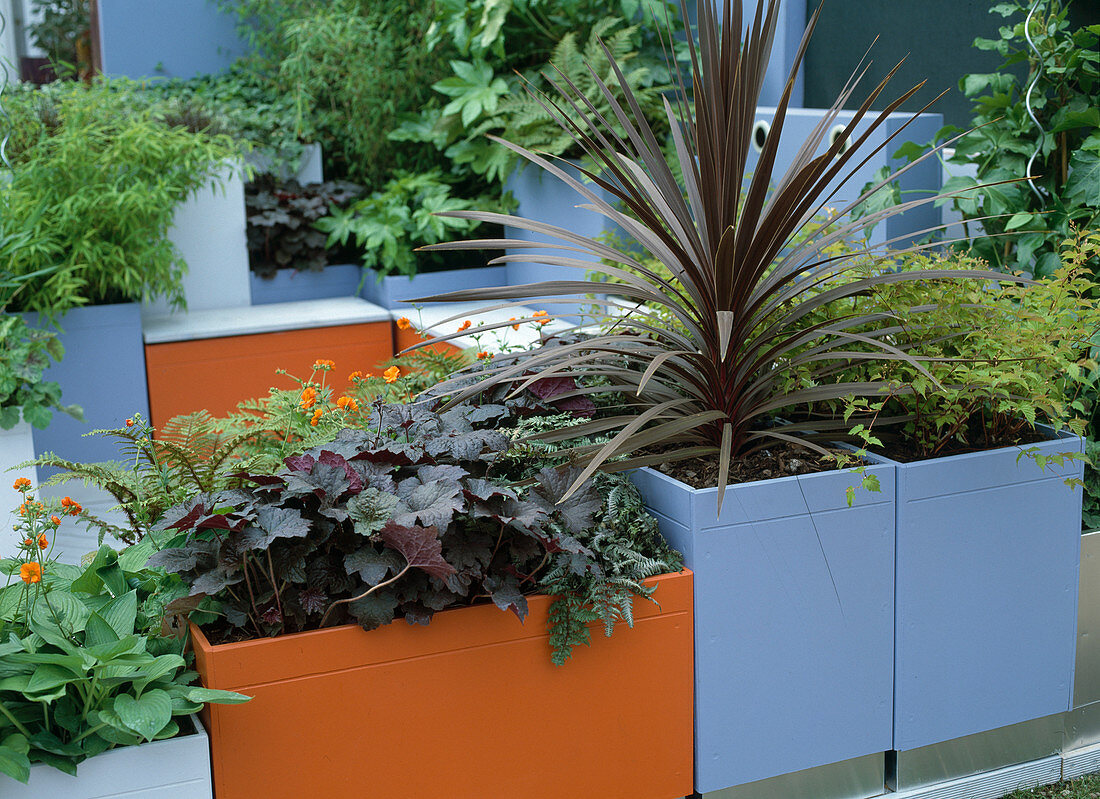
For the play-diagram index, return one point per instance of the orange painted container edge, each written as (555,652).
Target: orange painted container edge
(460,649)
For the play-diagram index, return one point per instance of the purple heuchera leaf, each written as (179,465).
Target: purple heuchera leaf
(550,387)
(355,482)
(420,547)
(313,600)
(300,463)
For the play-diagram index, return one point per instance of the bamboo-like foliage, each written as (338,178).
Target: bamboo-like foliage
(750,260)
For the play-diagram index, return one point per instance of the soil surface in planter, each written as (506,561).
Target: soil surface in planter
(781,460)
(976,440)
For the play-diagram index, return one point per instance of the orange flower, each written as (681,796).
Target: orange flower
(30,573)
(129,422)
(27,542)
(391,374)
(348,404)
(356,375)
(43,542)
(21,483)
(308,398)
(541,321)
(484,356)
(56,520)
(514,327)
(323,365)
(465,326)
(71,506)
(403,323)
(316,417)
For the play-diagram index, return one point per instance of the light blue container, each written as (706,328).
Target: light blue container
(397,291)
(167,38)
(290,285)
(988,552)
(103,372)
(794,620)
(542,197)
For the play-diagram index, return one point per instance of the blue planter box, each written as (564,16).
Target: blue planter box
(988,552)
(794,620)
(290,285)
(544,198)
(103,372)
(395,291)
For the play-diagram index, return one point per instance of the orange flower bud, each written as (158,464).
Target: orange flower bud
(43,542)
(56,520)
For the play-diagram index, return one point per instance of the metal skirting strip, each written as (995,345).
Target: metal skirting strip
(992,784)
(1079,762)
(983,752)
(858,778)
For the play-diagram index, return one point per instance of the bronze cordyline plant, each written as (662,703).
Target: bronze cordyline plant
(750,262)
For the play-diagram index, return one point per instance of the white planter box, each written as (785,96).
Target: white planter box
(178,768)
(16,446)
(209,230)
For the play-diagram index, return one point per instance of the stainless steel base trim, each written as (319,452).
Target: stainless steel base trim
(1080,762)
(1082,727)
(976,754)
(858,778)
(992,784)
(1086,680)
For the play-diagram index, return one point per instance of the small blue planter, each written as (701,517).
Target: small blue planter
(103,372)
(544,198)
(290,285)
(988,552)
(794,620)
(395,291)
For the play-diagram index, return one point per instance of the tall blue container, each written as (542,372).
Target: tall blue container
(543,197)
(290,285)
(988,553)
(794,620)
(103,372)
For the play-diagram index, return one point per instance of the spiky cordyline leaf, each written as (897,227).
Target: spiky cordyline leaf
(742,288)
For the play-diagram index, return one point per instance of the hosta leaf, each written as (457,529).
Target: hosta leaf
(220,697)
(121,613)
(162,666)
(13,757)
(146,715)
(420,547)
(98,632)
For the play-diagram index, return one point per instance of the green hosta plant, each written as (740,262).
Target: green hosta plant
(83,665)
(1030,223)
(745,261)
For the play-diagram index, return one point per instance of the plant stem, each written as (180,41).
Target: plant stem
(14,721)
(366,593)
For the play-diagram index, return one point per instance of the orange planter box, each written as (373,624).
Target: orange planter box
(217,373)
(469,707)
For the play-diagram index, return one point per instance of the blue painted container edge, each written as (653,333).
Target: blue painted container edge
(288,285)
(396,291)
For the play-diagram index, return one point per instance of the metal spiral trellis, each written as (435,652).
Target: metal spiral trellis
(1027,98)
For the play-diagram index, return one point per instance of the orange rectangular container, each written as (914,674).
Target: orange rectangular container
(217,373)
(469,707)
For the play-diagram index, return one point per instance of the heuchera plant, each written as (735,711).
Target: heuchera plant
(401,518)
